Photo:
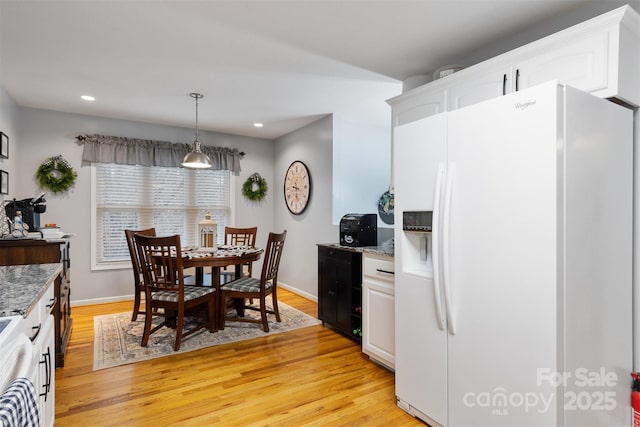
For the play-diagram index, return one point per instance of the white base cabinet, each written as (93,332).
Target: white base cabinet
(39,327)
(378,309)
(46,372)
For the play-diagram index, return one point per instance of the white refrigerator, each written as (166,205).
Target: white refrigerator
(515,310)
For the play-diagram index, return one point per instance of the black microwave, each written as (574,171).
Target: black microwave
(417,220)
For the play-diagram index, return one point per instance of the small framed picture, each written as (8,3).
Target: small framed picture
(4,150)
(4,182)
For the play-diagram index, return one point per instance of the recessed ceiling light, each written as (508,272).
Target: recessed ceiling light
(258,125)
(88,98)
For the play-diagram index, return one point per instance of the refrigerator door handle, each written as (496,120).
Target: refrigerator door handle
(435,255)
(446,225)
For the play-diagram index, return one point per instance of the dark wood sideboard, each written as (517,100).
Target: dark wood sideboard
(20,252)
(340,290)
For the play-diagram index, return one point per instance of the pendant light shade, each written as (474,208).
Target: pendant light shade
(196,159)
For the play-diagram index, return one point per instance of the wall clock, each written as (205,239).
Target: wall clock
(297,187)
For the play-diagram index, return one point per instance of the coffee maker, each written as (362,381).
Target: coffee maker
(30,210)
(359,230)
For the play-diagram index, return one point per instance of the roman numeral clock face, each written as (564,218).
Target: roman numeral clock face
(297,187)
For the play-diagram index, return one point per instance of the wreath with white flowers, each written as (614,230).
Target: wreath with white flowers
(386,207)
(255,188)
(56,174)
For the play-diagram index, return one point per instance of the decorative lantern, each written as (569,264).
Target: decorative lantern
(207,230)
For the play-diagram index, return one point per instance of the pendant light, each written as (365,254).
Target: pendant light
(196,159)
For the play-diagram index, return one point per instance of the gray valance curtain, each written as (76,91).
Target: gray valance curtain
(145,152)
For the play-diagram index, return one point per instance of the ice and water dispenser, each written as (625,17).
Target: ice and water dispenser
(417,243)
(417,220)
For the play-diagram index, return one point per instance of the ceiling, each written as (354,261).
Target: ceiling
(282,63)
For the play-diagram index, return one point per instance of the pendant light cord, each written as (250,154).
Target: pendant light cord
(197,131)
(197,96)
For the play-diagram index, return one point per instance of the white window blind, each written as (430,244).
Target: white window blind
(173,200)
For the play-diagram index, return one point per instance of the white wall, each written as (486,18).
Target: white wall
(312,145)
(361,168)
(46,133)
(9,126)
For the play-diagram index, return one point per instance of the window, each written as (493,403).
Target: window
(173,200)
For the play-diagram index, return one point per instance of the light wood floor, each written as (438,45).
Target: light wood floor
(311,376)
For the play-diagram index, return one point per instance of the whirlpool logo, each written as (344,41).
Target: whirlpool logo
(524,105)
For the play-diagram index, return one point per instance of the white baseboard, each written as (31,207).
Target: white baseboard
(298,292)
(105,300)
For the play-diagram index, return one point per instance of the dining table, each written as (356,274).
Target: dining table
(217,258)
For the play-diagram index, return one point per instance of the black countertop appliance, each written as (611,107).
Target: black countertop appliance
(29,208)
(359,230)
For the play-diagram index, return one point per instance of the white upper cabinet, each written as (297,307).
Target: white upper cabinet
(420,105)
(599,56)
(582,64)
(480,85)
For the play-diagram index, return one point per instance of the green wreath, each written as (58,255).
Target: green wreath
(56,174)
(255,188)
(386,205)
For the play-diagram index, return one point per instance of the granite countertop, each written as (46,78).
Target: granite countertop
(21,286)
(384,250)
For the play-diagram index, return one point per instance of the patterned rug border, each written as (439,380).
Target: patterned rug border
(117,338)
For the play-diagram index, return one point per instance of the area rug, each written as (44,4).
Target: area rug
(117,338)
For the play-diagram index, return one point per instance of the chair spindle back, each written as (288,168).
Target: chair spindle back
(272,255)
(240,236)
(161,262)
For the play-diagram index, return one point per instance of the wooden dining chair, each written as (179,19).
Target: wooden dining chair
(163,284)
(250,287)
(137,269)
(239,237)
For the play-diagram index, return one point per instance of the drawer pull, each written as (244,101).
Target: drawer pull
(385,271)
(36,333)
(52,304)
(46,361)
